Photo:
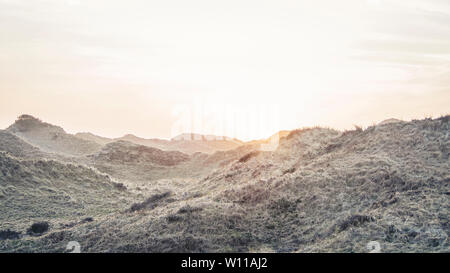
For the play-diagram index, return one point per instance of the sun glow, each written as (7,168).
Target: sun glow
(129,66)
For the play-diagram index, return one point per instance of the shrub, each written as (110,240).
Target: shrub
(290,170)
(87,220)
(149,203)
(189,209)
(38,228)
(9,234)
(355,220)
(173,218)
(444,119)
(247,157)
(120,186)
(332,147)
(283,205)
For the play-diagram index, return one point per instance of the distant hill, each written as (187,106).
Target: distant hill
(152,142)
(128,152)
(389,121)
(139,163)
(275,138)
(204,145)
(185,143)
(200,137)
(51,138)
(94,138)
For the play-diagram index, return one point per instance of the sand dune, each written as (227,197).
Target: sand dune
(50,138)
(321,190)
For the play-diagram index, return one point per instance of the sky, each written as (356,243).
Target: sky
(242,68)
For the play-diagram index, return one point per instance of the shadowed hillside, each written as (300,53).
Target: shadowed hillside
(62,195)
(17,147)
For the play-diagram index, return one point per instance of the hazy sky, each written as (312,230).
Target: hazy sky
(116,67)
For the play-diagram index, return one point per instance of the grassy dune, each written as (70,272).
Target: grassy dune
(321,191)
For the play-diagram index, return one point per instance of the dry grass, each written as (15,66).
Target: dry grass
(320,191)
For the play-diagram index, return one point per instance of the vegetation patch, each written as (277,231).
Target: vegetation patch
(9,234)
(173,218)
(189,209)
(354,221)
(120,186)
(248,156)
(290,170)
(283,205)
(87,220)
(38,228)
(150,203)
